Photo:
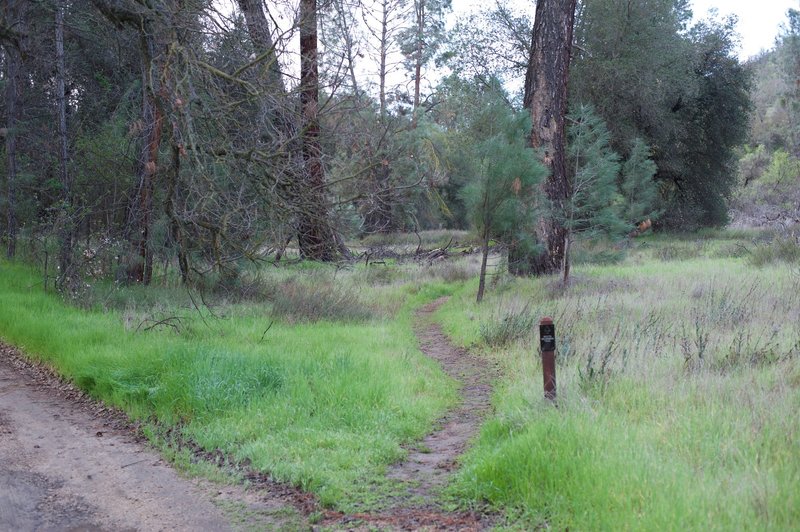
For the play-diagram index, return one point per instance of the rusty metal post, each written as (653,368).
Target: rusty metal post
(547,335)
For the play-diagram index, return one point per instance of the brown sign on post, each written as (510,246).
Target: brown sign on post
(547,335)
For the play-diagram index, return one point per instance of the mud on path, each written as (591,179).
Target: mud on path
(431,462)
(68,463)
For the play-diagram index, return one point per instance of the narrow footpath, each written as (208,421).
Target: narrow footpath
(431,462)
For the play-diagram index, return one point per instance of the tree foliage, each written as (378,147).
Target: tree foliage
(680,89)
(199,137)
(592,208)
(638,189)
(503,174)
(789,49)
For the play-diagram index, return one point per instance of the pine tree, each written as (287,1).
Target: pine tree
(639,190)
(590,210)
(505,172)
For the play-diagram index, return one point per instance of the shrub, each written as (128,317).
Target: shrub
(451,272)
(731,251)
(379,274)
(299,302)
(598,256)
(680,252)
(514,325)
(782,249)
(750,349)
(237,287)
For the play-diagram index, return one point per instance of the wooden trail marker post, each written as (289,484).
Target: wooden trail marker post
(547,335)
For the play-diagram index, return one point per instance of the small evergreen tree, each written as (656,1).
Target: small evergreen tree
(591,209)
(503,173)
(639,190)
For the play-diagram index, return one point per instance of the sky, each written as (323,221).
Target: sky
(759,20)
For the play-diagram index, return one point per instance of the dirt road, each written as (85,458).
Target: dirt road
(62,467)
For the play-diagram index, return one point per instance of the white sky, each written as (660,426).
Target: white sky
(759,20)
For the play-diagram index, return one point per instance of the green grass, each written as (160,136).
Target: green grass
(678,380)
(679,392)
(322,405)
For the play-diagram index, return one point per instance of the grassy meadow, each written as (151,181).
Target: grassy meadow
(678,378)
(679,392)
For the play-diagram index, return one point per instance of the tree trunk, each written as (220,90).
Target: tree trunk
(378,205)
(346,30)
(13,105)
(176,225)
(379,218)
(157,34)
(383,52)
(484,260)
(547,95)
(419,6)
(527,89)
(141,211)
(382,23)
(258,28)
(67,232)
(315,237)
(278,112)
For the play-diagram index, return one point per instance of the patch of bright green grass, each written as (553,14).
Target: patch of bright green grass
(324,405)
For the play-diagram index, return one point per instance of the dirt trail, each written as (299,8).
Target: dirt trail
(431,462)
(66,463)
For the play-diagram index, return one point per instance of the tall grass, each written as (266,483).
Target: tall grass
(679,386)
(324,405)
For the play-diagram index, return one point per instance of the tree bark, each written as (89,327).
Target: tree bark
(157,32)
(13,75)
(259,30)
(315,237)
(141,210)
(527,89)
(484,261)
(13,97)
(67,231)
(383,52)
(383,24)
(176,225)
(546,94)
(306,195)
(378,218)
(419,7)
(345,28)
